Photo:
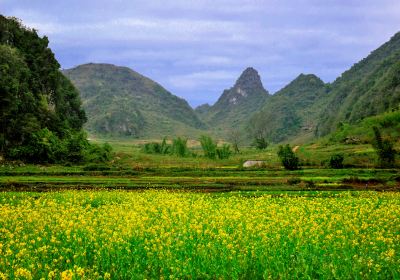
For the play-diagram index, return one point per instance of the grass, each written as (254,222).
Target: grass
(160,234)
(162,216)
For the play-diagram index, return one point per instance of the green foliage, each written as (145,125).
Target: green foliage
(157,148)
(369,88)
(40,111)
(179,147)
(224,152)
(288,158)
(260,142)
(46,146)
(384,149)
(336,161)
(307,107)
(388,123)
(209,147)
(98,153)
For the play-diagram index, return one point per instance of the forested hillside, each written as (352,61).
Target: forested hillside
(121,102)
(307,108)
(40,110)
(370,87)
(287,113)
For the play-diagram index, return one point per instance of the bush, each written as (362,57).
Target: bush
(157,148)
(224,152)
(211,150)
(288,158)
(97,153)
(179,147)
(260,143)
(336,161)
(41,146)
(209,147)
(384,149)
(45,146)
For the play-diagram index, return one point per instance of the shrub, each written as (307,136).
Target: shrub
(209,147)
(224,152)
(336,161)
(97,153)
(41,146)
(179,147)
(260,143)
(157,148)
(211,150)
(384,149)
(288,158)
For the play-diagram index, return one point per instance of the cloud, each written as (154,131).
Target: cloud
(201,79)
(198,48)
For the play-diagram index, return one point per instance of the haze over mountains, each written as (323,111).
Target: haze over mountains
(121,102)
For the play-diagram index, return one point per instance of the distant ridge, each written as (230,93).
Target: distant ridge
(121,102)
(307,108)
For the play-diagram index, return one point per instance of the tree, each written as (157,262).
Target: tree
(209,147)
(384,149)
(235,137)
(260,142)
(211,150)
(41,117)
(179,147)
(288,158)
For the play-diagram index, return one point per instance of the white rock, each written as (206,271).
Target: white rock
(254,163)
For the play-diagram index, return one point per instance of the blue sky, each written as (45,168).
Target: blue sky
(196,49)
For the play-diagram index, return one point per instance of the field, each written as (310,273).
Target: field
(147,216)
(162,234)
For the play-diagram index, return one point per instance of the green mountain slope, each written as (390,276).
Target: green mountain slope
(370,87)
(288,112)
(236,105)
(121,102)
(303,110)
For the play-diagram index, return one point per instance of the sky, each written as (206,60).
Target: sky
(196,49)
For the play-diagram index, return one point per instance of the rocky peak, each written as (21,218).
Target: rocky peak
(249,80)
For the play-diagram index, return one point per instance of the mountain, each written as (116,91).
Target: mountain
(235,106)
(307,108)
(370,87)
(120,102)
(287,112)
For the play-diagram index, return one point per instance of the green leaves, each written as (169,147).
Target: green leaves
(288,158)
(384,149)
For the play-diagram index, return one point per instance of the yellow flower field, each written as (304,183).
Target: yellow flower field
(160,234)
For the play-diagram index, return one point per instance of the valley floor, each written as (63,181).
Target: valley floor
(156,217)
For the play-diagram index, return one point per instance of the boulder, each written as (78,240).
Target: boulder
(254,163)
